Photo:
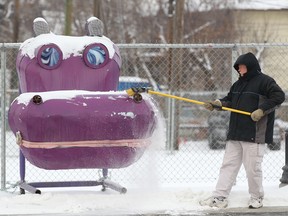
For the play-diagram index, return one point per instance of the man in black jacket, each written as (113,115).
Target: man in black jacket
(260,95)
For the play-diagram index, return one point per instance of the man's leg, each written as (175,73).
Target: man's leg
(252,160)
(230,167)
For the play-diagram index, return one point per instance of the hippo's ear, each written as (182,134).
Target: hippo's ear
(49,56)
(94,27)
(40,26)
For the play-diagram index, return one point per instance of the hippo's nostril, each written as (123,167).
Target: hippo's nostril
(37,99)
(137,98)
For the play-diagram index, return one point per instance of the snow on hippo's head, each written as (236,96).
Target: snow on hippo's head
(50,62)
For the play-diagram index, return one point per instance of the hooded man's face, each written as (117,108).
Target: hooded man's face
(242,69)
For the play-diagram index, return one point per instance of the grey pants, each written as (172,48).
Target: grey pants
(238,153)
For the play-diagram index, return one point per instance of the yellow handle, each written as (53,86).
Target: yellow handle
(196,102)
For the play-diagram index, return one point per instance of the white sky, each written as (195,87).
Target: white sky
(261,4)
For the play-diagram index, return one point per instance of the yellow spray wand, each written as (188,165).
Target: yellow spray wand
(135,92)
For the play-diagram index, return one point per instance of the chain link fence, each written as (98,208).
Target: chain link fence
(188,146)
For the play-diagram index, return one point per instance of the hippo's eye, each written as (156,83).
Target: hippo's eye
(96,55)
(49,56)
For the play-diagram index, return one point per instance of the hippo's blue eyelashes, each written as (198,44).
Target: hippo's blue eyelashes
(49,56)
(95,55)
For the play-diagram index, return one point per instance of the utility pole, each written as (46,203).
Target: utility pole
(68,16)
(97,12)
(178,26)
(170,37)
(16,21)
(178,22)
(170,112)
(170,20)
(175,35)
(97,9)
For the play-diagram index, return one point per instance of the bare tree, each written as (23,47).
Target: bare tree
(6,26)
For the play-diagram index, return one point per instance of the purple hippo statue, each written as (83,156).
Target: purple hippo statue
(68,114)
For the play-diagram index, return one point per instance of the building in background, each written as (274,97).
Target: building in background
(264,21)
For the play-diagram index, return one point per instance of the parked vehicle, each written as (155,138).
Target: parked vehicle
(192,122)
(126,82)
(217,129)
(277,138)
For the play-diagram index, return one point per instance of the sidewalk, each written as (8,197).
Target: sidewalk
(265,211)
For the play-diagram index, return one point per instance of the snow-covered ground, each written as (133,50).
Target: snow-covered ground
(160,181)
(172,200)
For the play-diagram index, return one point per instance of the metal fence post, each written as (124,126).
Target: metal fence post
(3,117)
(171,124)
(234,56)
(284,179)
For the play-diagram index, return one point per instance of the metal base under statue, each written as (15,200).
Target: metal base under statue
(32,187)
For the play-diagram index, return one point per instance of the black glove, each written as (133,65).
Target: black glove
(210,105)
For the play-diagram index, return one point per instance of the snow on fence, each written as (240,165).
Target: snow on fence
(183,149)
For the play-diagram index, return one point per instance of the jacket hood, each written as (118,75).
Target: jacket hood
(252,64)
